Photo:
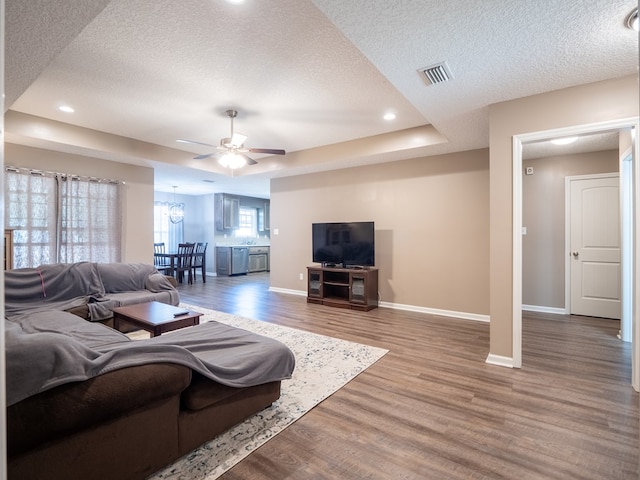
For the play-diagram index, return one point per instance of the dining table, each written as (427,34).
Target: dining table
(172,257)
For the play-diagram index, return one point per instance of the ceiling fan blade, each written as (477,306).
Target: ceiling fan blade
(206,155)
(267,150)
(250,161)
(238,139)
(180,140)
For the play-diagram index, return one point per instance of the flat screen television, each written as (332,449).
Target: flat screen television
(348,244)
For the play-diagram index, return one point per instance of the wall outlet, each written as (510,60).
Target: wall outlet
(528,171)
(301,276)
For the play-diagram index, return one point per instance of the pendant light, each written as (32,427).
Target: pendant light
(176,210)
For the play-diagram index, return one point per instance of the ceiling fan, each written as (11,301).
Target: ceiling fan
(231,152)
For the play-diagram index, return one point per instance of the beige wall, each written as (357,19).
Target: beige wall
(431,218)
(585,104)
(543,214)
(138,191)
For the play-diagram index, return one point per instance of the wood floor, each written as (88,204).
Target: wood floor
(433,409)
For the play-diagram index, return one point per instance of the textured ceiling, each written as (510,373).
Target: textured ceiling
(312,77)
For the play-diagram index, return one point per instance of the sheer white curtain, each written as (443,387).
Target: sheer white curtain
(91,220)
(31,211)
(62,218)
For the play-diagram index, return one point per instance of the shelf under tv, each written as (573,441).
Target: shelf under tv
(355,288)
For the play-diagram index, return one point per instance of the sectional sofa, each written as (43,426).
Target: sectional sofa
(85,401)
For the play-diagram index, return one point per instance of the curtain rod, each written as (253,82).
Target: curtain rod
(33,171)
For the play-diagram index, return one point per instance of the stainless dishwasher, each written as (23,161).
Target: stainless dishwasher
(239,260)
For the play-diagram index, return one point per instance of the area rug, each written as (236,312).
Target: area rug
(323,366)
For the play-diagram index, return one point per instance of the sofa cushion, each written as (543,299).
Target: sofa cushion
(58,286)
(124,277)
(203,393)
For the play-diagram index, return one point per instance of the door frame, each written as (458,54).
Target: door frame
(567,230)
(632,123)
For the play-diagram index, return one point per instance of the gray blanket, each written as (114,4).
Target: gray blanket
(100,286)
(51,348)
(60,286)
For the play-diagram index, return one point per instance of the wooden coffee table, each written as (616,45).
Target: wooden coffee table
(155,317)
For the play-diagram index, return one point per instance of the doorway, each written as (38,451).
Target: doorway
(630,179)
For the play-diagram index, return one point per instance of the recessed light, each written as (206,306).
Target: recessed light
(564,140)
(235,2)
(632,20)
(66,109)
(389,116)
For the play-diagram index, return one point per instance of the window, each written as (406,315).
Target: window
(30,209)
(164,230)
(248,223)
(62,218)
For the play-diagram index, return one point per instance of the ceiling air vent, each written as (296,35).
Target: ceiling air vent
(434,74)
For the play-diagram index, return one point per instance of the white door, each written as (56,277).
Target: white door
(595,247)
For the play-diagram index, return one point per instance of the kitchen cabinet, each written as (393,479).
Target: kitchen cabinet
(264,216)
(227,212)
(259,258)
(267,215)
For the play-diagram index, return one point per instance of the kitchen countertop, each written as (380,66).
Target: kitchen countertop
(242,245)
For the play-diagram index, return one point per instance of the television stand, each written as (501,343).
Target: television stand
(355,288)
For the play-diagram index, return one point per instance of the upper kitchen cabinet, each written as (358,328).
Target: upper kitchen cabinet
(264,214)
(227,211)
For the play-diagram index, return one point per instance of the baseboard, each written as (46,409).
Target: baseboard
(499,360)
(541,309)
(302,293)
(399,306)
(435,311)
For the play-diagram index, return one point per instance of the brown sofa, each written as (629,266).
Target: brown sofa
(125,424)
(89,414)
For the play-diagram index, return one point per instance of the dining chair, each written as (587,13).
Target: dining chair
(183,262)
(161,263)
(199,260)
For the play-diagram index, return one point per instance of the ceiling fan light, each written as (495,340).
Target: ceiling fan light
(232,160)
